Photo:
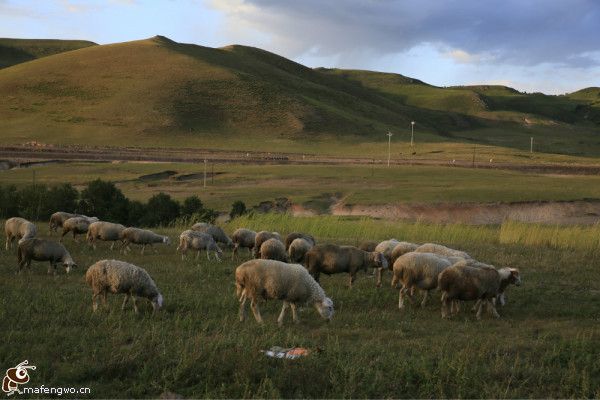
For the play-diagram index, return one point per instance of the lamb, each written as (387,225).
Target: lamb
(442,251)
(273,249)
(142,237)
(462,282)
(386,247)
(417,270)
(198,241)
(18,228)
(331,259)
(120,277)
(242,238)
(217,233)
(43,250)
(298,249)
(105,231)
(77,225)
(58,218)
(261,237)
(296,235)
(271,279)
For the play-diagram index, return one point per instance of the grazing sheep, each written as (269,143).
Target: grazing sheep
(105,231)
(368,245)
(332,259)
(273,249)
(272,279)
(58,218)
(120,277)
(298,249)
(77,225)
(386,247)
(462,282)
(217,233)
(261,237)
(441,250)
(43,250)
(401,249)
(298,235)
(142,237)
(198,241)
(18,228)
(242,237)
(417,270)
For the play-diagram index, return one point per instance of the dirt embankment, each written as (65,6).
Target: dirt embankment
(551,212)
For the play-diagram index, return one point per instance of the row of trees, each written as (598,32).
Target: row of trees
(104,200)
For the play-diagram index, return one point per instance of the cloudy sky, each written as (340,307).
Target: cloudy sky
(550,46)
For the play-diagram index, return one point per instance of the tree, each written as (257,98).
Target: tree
(238,208)
(9,202)
(104,200)
(191,205)
(161,209)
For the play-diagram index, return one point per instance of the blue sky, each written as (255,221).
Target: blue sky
(532,45)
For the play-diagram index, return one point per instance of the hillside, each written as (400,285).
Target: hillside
(16,51)
(157,92)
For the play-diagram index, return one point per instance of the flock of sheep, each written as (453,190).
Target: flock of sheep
(285,269)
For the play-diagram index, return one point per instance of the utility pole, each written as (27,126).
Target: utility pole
(389,134)
(531,145)
(212,173)
(474,148)
(412,133)
(204,172)
(33,176)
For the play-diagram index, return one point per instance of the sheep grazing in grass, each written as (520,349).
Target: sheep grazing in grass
(242,237)
(386,247)
(58,218)
(368,245)
(120,277)
(198,241)
(217,233)
(44,250)
(461,282)
(332,259)
(298,235)
(105,231)
(442,250)
(273,249)
(142,237)
(261,237)
(417,270)
(77,225)
(18,228)
(298,249)
(270,279)
(402,248)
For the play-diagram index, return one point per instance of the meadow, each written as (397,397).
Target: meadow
(545,345)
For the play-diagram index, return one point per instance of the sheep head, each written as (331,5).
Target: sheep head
(510,276)
(325,308)
(70,264)
(379,260)
(157,302)
(166,240)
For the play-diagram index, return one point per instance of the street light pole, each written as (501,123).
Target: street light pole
(412,133)
(389,134)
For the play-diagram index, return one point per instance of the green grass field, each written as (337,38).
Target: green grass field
(545,345)
(314,185)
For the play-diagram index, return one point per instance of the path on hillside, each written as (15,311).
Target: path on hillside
(18,155)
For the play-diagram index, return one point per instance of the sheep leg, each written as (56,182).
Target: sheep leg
(75,237)
(424,301)
(207,254)
(8,242)
(379,273)
(294,313)
(479,310)
(104,302)
(445,305)
(282,314)
(135,307)
(492,309)
(217,256)
(125,301)
(401,298)
(256,311)
(95,301)
(352,279)
(234,252)
(476,306)
(455,307)
(143,248)
(112,246)
(243,312)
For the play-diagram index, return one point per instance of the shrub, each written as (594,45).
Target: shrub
(104,200)
(238,208)
(161,209)
(9,204)
(191,205)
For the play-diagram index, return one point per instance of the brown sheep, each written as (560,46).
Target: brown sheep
(298,235)
(261,237)
(273,249)
(242,237)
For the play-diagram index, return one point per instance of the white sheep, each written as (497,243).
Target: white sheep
(105,231)
(261,237)
(18,228)
(58,218)
(298,249)
(417,270)
(271,279)
(298,235)
(141,237)
(386,248)
(120,277)
(77,225)
(43,250)
(273,249)
(198,241)
(216,232)
(442,250)
(242,237)
(402,248)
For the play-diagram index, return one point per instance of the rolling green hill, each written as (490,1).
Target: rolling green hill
(16,51)
(157,92)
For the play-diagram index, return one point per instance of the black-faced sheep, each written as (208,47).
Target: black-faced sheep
(270,279)
(120,277)
(44,250)
(18,228)
(105,231)
(273,249)
(298,235)
(242,238)
(141,237)
(462,282)
(298,249)
(332,259)
(261,237)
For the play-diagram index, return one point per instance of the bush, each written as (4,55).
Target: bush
(191,205)
(238,208)
(161,209)
(104,200)
(137,212)
(9,203)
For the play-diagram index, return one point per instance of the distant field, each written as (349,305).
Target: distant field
(315,185)
(545,345)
